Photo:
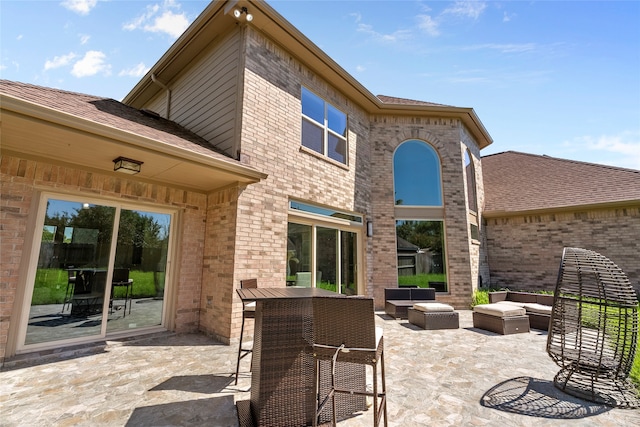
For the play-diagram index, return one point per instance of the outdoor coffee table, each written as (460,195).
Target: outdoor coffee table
(283,367)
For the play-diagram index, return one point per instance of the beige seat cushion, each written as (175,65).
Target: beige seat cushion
(513,303)
(432,307)
(538,308)
(500,310)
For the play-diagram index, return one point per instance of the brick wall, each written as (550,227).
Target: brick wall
(21,179)
(445,135)
(524,252)
(271,143)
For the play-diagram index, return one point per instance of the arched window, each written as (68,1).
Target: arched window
(419,216)
(416,175)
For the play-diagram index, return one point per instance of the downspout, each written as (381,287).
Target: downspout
(163,86)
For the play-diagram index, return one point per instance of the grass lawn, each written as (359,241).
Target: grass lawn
(482,297)
(51,285)
(422,280)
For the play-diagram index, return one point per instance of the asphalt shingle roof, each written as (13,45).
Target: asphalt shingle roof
(112,113)
(404,101)
(517,182)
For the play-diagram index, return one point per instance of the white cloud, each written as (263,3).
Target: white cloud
(506,17)
(621,150)
(160,18)
(91,64)
(136,71)
(19,37)
(360,68)
(82,7)
(169,23)
(429,25)
(59,61)
(385,38)
(504,47)
(84,38)
(466,9)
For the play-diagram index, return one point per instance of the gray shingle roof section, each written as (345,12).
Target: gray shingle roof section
(520,182)
(404,101)
(112,113)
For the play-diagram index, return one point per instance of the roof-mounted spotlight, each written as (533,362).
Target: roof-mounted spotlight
(237,13)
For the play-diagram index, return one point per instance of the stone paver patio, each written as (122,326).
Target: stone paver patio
(463,377)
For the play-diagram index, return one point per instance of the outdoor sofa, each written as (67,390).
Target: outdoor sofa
(510,312)
(537,306)
(397,301)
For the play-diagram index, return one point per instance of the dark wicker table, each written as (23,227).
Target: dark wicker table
(283,369)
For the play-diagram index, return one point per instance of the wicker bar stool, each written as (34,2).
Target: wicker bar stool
(594,328)
(248,312)
(344,330)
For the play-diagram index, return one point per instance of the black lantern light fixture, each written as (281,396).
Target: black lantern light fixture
(125,165)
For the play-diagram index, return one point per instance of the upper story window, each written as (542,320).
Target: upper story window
(324,127)
(416,175)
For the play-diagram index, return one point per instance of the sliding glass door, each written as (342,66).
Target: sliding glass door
(100,268)
(322,257)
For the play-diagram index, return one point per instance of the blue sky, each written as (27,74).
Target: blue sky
(560,78)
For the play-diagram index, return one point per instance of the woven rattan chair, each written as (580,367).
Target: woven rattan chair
(248,312)
(594,328)
(344,331)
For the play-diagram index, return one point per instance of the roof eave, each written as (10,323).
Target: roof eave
(245,174)
(269,21)
(489,214)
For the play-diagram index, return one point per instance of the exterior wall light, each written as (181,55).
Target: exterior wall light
(237,13)
(369,228)
(124,165)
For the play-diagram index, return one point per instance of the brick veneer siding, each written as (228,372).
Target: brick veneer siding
(21,179)
(445,135)
(525,250)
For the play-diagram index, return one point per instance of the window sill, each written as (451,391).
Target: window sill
(306,150)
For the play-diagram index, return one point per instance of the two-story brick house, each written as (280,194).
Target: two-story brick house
(281,167)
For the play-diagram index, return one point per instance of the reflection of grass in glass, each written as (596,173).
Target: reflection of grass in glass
(422,280)
(328,286)
(51,284)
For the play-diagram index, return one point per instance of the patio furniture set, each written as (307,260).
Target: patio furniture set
(419,306)
(309,357)
(311,346)
(511,312)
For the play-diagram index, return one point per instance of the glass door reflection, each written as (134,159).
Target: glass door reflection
(137,291)
(70,282)
(90,281)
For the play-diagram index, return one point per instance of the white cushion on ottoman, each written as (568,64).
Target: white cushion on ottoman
(500,310)
(432,307)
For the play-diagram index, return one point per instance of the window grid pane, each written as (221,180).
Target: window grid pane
(312,136)
(324,127)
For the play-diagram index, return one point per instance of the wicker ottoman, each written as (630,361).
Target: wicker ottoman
(433,315)
(502,319)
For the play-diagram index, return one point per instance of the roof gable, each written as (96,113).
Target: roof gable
(217,19)
(518,182)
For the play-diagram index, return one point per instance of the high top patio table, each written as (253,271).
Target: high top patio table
(283,369)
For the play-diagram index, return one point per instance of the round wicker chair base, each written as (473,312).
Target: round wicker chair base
(619,393)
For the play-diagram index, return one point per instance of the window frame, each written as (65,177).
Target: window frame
(424,213)
(327,132)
